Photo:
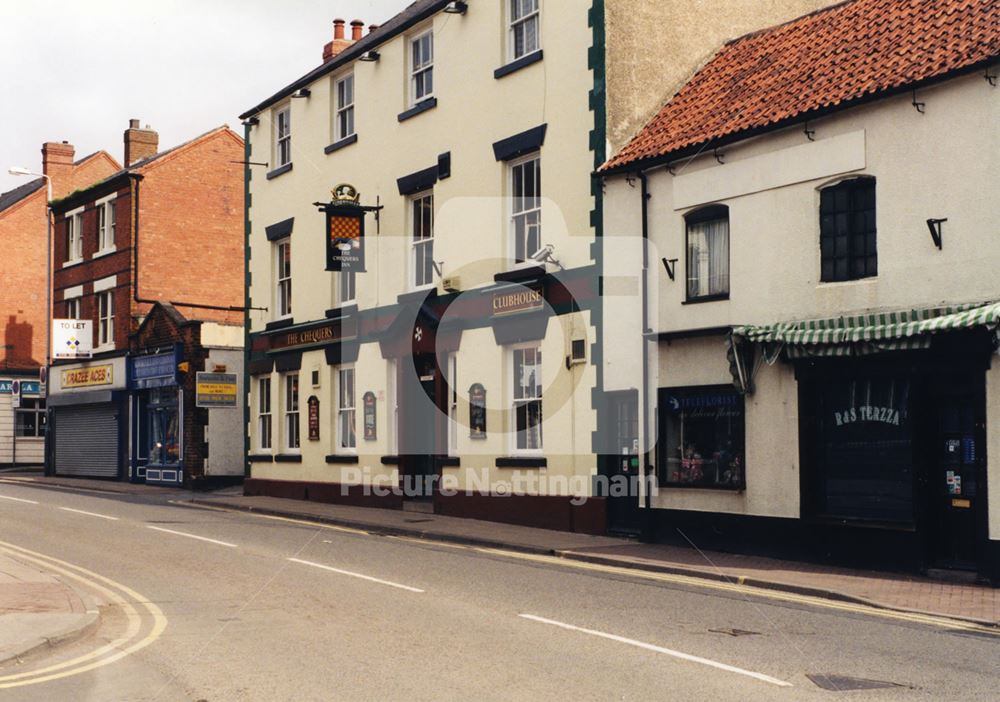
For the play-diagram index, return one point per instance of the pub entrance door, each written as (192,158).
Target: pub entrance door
(957,472)
(420,424)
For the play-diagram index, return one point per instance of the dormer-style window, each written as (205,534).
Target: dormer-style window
(524,18)
(283,136)
(421,67)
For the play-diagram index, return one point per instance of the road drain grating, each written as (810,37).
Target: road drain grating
(417,521)
(735,632)
(845,683)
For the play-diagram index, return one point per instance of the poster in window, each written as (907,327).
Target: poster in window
(371,430)
(477,411)
(313,403)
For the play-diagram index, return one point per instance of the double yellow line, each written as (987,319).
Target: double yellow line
(119,595)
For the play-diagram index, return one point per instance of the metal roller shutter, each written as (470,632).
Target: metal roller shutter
(86,441)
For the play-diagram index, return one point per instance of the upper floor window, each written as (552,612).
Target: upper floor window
(73,308)
(847,230)
(106,318)
(422,67)
(422,240)
(708,253)
(283,291)
(74,238)
(283,136)
(523,27)
(526,206)
(106,222)
(344,108)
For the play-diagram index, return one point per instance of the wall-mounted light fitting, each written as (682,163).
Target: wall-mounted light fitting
(935,227)
(253,121)
(369,56)
(302,93)
(456,7)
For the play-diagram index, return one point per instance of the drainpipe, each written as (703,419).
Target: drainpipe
(647,522)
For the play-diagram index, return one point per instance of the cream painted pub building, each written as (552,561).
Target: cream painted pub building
(823,296)
(423,267)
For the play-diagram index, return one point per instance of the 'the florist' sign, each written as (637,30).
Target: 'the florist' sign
(72,338)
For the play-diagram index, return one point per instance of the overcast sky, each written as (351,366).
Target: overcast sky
(78,70)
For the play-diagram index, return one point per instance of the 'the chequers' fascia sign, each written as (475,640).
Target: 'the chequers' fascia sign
(331,332)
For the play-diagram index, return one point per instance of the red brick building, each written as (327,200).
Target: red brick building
(166,228)
(22,292)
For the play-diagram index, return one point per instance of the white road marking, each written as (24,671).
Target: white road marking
(191,536)
(660,649)
(17,499)
(89,514)
(356,575)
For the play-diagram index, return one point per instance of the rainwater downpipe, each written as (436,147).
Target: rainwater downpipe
(647,522)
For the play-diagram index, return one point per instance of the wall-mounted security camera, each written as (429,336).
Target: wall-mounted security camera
(544,255)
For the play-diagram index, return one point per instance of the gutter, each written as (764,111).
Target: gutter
(647,522)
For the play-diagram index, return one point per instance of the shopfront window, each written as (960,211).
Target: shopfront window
(164,426)
(527,410)
(702,434)
(264,414)
(865,452)
(291,408)
(346,439)
(30,420)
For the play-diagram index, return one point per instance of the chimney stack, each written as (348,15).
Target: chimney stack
(57,163)
(340,43)
(139,143)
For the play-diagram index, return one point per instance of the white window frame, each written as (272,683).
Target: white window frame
(346,283)
(346,409)
(341,109)
(265,420)
(515,401)
(106,226)
(105,307)
(416,282)
(72,307)
(291,434)
(282,280)
(516,23)
(74,237)
(454,425)
(520,208)
(421,69)
(283,135)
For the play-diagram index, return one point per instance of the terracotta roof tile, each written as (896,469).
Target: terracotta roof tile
(818,62)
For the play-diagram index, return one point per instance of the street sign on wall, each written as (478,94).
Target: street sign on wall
(72,338)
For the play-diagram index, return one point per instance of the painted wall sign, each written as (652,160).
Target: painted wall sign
(313,418)
(331,332)
(371,427)
(215,389)
(514,302)
(477,411)
(87,377)
(72,338)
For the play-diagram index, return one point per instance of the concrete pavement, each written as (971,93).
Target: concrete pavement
(39,610)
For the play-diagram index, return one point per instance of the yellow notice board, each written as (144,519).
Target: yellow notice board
(215,390)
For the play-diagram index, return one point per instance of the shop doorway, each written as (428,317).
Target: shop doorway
(956,465)
(623,467)
(421,424)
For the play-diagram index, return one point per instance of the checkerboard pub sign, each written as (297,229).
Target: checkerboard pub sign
(345,230)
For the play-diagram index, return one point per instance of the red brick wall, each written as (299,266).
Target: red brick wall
(191,227)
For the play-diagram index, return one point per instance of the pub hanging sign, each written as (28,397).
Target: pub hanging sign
(345,230)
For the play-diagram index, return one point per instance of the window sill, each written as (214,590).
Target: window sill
(346,309)
(449,461)
(75,262)
(421,106)
(521,462)
(288,458)
(390,460)
(260,458)
(338,145)
(706,298)
(342,458)
(280,170)
(831,283)
(518,64)
(105,252)
(279,324)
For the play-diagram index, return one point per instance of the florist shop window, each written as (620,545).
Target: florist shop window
(702,438)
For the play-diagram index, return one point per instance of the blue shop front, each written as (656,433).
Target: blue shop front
(157,426)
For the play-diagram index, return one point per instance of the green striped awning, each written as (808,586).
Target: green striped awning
(871,332)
